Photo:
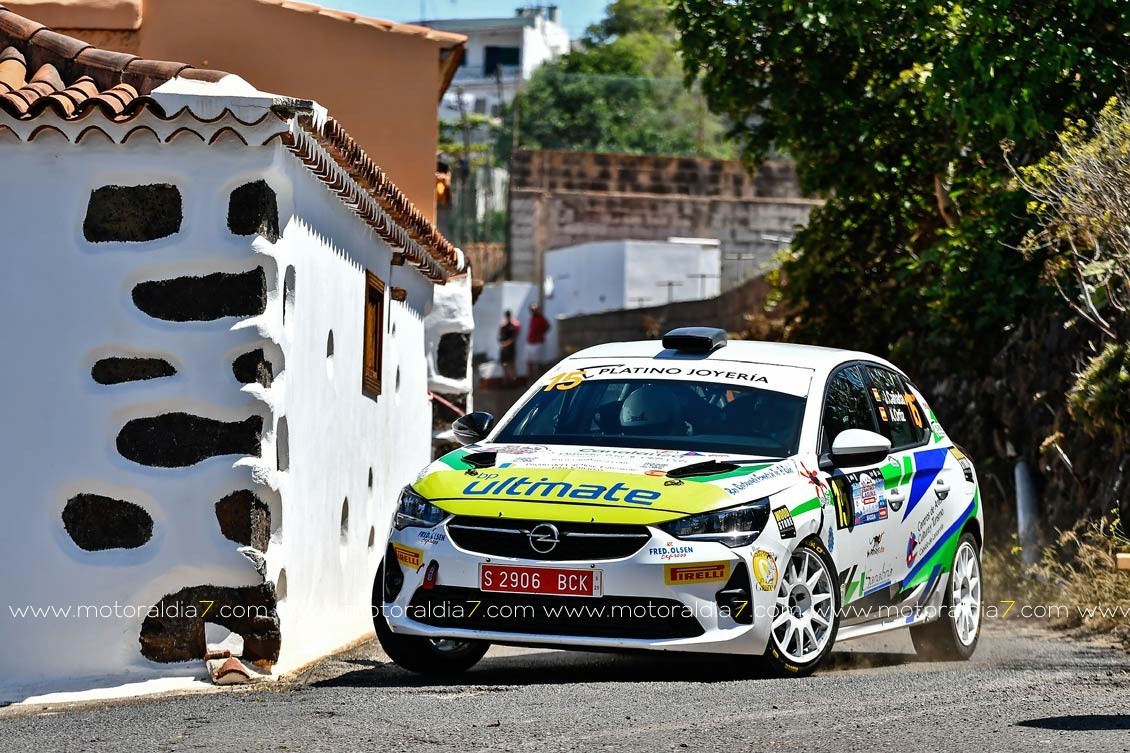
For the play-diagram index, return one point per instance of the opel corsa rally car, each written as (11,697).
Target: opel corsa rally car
(745,498)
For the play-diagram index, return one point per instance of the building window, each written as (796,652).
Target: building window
(374,334)
(496,58)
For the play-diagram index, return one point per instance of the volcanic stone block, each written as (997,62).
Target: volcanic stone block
(97,523)
(176,440)
(203,299)
(253,367)
(452,353)
(174,629)
(245,519)
(253,210)
(116,370)
(132,213)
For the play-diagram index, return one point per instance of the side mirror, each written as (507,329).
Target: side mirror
(474,427)
(856,447)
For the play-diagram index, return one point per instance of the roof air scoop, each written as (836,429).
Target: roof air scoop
(695,339)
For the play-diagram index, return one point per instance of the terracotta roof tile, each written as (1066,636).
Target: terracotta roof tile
(42,70)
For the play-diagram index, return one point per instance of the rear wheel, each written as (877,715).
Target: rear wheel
(953,636)
(428,656)
(807,614)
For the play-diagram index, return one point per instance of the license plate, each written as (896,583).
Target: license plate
(553,581)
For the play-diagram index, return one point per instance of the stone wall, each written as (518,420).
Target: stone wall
(560,199)
(728,311)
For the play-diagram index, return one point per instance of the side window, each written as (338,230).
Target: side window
(847,406)
(900,416)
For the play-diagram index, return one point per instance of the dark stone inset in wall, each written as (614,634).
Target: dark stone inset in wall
(245,519)
(115,370)
(253,367)
(203,299)
(132,213)
(174,632)
(176,440)
(452,353)
(253,210)
(96,523)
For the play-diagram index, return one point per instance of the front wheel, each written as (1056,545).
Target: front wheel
(953,636)
(807,614)
(427,656)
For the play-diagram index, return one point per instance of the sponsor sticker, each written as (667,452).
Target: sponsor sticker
(785,523)
(875,545)
(406,555)
(785,468)
(765,570)
(671,551)
(700,572)
(868,498)
(911,550)
(429,537)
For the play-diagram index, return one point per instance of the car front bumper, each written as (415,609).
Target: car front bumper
(640,608)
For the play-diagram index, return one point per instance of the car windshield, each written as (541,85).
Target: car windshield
(661,414)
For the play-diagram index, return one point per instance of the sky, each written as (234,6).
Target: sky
(576,15)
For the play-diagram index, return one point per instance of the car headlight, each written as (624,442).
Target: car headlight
(414,510)
(733,526)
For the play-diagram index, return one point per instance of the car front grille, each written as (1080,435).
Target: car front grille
(605,617)
(586,542)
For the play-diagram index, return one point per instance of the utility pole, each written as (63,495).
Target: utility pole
(464,168)
(702,277)
(743,258)
(670,285)
(638,301)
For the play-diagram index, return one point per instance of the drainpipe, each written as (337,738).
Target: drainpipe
(1027,514)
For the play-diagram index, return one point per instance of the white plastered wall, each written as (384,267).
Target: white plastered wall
(65,303)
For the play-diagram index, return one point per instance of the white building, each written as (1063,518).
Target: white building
(501,54)
(618,275)
(212,310)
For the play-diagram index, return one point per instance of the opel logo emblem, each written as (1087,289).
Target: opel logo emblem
(544,538)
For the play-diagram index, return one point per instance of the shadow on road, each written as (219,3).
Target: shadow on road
(562,667)
(1080,722)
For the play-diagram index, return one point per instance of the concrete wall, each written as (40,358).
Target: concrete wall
(68,304)
(727,311)
(562,199)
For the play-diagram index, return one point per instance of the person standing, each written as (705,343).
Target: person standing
(535,342)
(508,346)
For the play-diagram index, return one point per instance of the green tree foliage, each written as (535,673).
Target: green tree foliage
(895,111)
(621,91)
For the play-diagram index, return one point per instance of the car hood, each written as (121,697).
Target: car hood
(595,484)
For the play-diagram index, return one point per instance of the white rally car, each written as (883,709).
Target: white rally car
(744,498)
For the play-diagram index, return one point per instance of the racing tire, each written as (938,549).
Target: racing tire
(426,656)
(806,617)
(954,634)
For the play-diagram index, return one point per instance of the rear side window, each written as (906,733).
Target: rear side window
(900,415)
(848,405)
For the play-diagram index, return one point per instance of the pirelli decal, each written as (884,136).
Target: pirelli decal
(409,557)
(701,572)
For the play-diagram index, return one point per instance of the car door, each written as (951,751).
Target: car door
(863,530)
(918,464)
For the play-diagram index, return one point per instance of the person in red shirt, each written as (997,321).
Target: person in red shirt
(535,342)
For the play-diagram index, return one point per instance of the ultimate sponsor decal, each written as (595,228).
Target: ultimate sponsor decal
(701,572)
(785,523)
(524,487)
(670,551)
(406,555)
(429,537)
(765,570)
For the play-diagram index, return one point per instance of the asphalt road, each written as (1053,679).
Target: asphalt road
(1024,690)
